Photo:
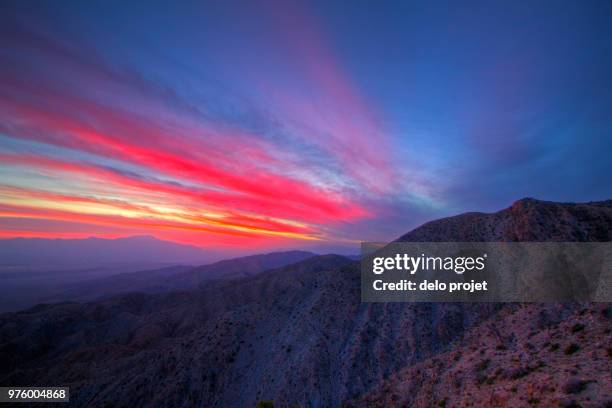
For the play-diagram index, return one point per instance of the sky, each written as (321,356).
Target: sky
(283,124)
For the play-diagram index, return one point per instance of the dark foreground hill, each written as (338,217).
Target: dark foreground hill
(547,355)
(299,335)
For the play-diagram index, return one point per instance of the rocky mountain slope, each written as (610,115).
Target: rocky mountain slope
(299,334)
(547,355)
(527,220)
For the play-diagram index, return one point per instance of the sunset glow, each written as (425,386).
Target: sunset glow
(264,127)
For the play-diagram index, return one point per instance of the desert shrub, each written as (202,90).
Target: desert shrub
(483,365)
(533,401)
(572,348)
(575,386)
(577,327)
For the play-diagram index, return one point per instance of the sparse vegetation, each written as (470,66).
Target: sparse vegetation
(577,327)
(575,386)
(533,401)
(571,349)
(483,365)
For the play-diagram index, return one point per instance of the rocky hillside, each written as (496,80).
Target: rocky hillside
(526,355)
(299,334)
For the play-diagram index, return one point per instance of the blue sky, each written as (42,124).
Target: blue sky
(296,124)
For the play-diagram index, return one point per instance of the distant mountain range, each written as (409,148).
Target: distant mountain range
(177,277)
(98,252)
(298,334)
(24,288)
(34,270)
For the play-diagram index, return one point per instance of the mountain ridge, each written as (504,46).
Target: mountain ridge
(96,252)
(526,220)
(296,335)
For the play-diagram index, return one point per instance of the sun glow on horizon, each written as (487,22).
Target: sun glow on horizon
(286,124)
